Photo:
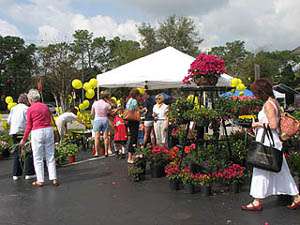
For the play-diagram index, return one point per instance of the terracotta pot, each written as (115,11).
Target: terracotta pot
(210,80)
(71,159)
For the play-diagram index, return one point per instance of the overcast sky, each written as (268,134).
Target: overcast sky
(262,24)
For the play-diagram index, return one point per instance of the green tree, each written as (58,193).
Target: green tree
(57,62)
(16,65)
(234,54)
(178,32)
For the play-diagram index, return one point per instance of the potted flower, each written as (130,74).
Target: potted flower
(158,159)
(205,70)
(187,178)
(4,146)
(173,174)
(204,181)
(136,173)
(232,175)
(71,151)
(66,150)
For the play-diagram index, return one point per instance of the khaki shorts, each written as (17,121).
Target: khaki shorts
(148,123)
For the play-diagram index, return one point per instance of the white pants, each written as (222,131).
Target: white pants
(42,142)
(160,129)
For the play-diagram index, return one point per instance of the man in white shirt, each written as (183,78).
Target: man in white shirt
(17,122)
(63,120)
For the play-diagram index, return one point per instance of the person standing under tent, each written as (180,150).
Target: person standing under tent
(149,120)
(160,111)
(100,110)
(133,125)
(17,122)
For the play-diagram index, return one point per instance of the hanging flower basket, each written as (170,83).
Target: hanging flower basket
(210,80)
(205,70)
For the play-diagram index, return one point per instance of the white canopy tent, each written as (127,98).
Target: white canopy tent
(160,70)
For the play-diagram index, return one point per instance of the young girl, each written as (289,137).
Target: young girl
(120,137)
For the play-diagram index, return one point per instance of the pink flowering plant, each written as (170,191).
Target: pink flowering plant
(203,179)
(205,65)
(172,171)
(159,155)
(231,174)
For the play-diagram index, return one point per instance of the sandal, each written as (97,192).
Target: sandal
(55,183)
(294,205)
(37,184)
(252,207)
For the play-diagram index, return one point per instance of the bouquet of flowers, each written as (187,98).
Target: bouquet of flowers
(209,66)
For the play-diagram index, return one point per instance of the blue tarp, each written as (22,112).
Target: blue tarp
(247,92)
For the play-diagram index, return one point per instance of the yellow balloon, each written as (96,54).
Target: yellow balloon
(81,106)
(9,99)
(118,102)
(11,105)
(90,93)
(114,99)
(241,87)
(93,82)
(141,90)
(77,84)
(235,82)
(87,86)
(86,104)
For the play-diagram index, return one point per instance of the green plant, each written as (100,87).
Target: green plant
(64,149)
(136,173)
(294,162)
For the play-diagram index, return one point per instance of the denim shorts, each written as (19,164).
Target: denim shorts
(100,124)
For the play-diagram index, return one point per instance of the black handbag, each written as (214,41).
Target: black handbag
(265,157)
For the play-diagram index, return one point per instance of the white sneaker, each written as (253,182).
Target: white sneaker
(15,178)
(29,177)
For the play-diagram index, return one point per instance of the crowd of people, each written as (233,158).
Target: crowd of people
(123,124)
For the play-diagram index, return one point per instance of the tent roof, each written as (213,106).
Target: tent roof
(160,70)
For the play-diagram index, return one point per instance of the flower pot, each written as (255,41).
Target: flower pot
(174,184)
(157,170)
(189,188)
(206,190)
(206,80)
(71,159)
(235,188)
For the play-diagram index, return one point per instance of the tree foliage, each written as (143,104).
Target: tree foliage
(178,32)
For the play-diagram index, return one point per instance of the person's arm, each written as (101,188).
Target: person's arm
(93,110)
(271,114)
(28,127)
(9,117)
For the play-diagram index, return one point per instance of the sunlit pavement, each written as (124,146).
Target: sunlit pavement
(99,192)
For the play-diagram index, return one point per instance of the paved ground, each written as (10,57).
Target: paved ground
(99,192)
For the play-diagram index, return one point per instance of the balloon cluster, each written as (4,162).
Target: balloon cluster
(238,85)
(10,102)
(89,91)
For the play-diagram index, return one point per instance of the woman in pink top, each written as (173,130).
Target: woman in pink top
(100,111)
(42,138)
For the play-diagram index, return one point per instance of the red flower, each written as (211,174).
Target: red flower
(205,65)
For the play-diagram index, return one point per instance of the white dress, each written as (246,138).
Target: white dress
(265,183)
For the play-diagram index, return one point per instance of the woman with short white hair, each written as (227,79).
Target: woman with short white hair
(160,111)
(42,138)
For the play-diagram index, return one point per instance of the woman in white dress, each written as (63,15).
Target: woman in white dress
(265,183)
